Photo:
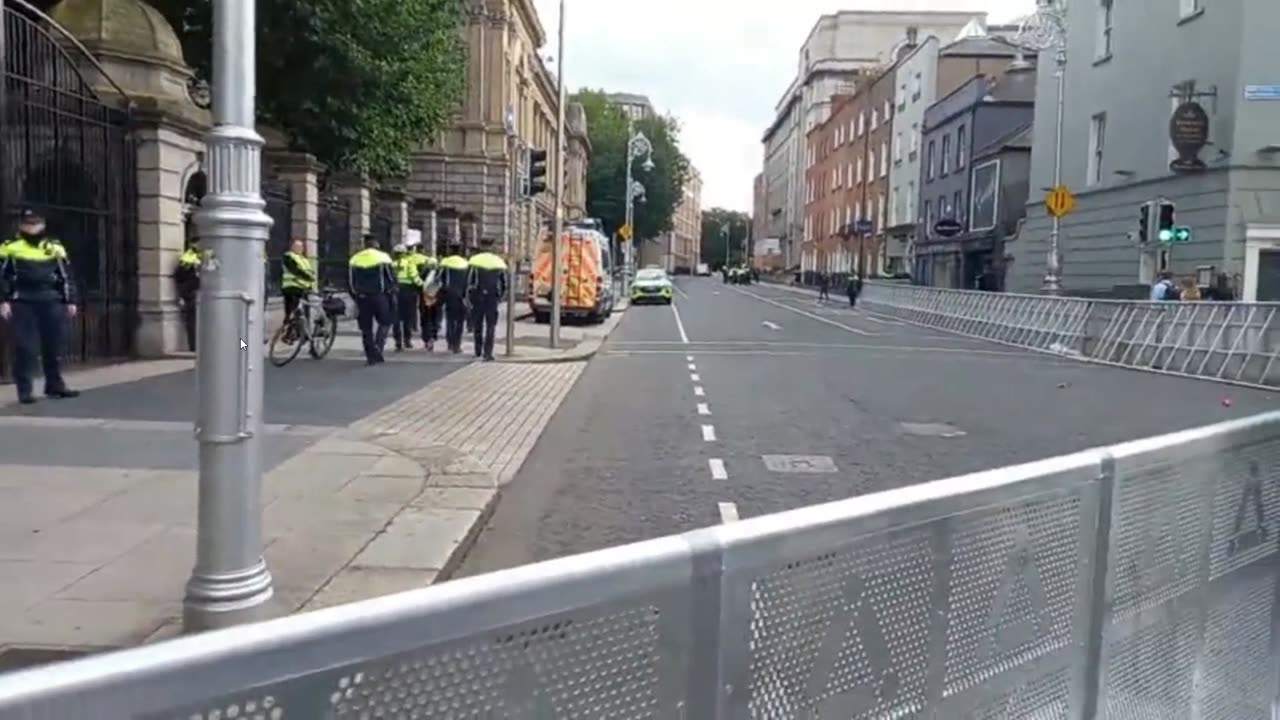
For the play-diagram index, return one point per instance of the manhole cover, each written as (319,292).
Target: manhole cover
(799,463)
(939,430)
(21,658)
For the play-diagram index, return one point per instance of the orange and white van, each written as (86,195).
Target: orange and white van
(586,280)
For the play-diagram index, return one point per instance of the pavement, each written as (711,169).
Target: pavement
(376,480)
(738,401)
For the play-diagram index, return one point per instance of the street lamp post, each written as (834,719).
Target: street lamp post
(557,223)
(1047,30)
(638,146)
(728,252)
(230,583)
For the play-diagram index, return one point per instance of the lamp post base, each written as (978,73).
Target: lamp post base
(216,601)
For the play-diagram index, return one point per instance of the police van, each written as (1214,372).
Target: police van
(586,284)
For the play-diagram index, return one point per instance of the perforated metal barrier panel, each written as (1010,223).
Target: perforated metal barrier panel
(1134,582)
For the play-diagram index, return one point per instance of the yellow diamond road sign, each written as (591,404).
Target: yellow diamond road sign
(624,232)
(1059,201)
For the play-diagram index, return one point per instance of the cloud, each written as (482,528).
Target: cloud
(720,66)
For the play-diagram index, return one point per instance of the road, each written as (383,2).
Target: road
(681,419)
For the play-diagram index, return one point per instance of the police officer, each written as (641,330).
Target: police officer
(409,281)
(186,276)
(453,286)
(298,278)
(372,281)
(487,284)
(37,295)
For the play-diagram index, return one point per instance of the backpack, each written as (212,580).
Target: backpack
(1172,292)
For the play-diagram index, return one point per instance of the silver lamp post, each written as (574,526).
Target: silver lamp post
(1046,29)
(638,146)
(557,227)
(230,583)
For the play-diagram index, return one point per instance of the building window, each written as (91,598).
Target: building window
(902,97)
(1097,146)
(928,218)
(897,148)
(960,142)
(880,212)
(835,177)
(862,123)
(848,171)
(946,155)
(859,173)
(916,86)
(957,206)
(915,138)
(850,133)
(839,134)
(1187,8)
(871,164)
(888,110)
(875,119)
(857,210)
(884,158)
(911,201)
(895,208)
(1104,30)
(928,163)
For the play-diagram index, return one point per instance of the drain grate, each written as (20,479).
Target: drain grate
(21,658)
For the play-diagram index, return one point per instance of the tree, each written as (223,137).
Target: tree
(358,84)
(608,127)
(714,224)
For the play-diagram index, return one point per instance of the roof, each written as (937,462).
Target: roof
(129,27)
(1018,138)
(984,46)
(630,99)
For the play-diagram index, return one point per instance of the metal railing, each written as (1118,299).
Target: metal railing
(1137,581)
(1226,341)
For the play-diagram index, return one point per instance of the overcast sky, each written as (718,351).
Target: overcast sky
(717,65)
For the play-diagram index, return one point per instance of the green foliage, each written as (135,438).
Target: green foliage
(608,126)
(714,224)
(358,83)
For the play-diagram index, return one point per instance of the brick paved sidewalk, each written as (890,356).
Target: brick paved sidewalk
(97,557)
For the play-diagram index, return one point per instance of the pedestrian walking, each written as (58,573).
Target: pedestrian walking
(37,297)
(487,285)
(429,286)
(186,277)
(854,288)
(824,287)
(372,280)
(453,286)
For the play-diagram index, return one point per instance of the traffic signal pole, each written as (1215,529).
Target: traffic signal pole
(557,226)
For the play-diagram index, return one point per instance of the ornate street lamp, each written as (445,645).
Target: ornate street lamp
(638,146)
(1046,29)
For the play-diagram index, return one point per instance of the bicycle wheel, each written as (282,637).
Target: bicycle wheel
(280,352)
(323,336)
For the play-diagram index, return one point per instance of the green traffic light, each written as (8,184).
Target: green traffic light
(1166,235)
(1182,233)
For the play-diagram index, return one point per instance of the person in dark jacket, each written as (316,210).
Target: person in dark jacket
(37,297)
(486,286)
(373,281)
(454,270)
(854,288)
(186,276)
(824,287)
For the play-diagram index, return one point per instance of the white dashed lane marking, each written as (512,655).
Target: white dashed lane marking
(718,471)
(688,358)
(771,325)
(728,512)
(709,433)
(684,337)
(692,366)
(703,409)
(695,377)
(697,390)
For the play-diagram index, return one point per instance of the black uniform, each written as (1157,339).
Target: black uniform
(487,284)
(453,288)
(36,282)
(372,282)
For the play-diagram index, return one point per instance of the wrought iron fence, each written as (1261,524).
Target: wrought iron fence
(1136,581)
(1225,341)
(279,202)
(67,153)
(334,245)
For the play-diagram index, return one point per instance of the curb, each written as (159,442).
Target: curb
(468,541)
(585,350)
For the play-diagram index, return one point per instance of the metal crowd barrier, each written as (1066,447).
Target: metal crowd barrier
(1137,582)
(1232,342)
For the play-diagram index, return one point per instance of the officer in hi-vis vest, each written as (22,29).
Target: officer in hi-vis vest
(372,280)
(186,276)
(453,285)
(487,285)
(37,297)
(409,296)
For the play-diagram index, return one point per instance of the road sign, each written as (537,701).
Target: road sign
(1059,201)
(1262,92)
(624,232)
(864,227)
(1176,234)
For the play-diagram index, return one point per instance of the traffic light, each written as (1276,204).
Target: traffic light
(537,165)
(1165,221)
(1144,222)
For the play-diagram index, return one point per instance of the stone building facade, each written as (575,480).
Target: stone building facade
(470,166)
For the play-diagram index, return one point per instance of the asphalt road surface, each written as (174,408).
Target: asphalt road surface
(756,399)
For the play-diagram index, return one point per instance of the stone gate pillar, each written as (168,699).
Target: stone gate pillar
(395,203)
(301,172)
(356,191)
(424,219)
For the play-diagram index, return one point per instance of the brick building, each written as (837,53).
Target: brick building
(847,180)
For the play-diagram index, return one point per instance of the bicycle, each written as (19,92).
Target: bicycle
(288,339)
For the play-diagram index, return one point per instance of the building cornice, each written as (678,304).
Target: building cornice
(529,16)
